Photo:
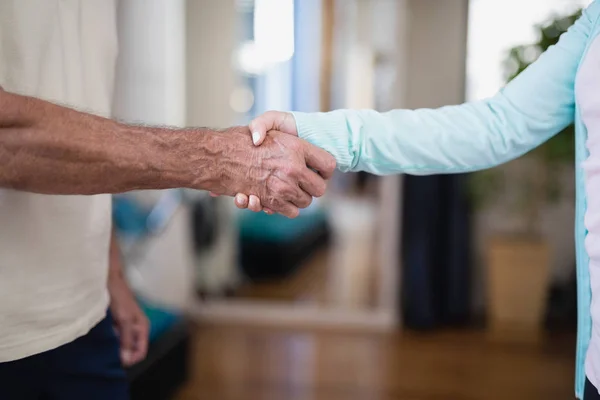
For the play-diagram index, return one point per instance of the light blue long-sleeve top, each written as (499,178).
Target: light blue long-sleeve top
(532,108)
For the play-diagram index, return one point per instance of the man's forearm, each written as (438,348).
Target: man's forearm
(46,148)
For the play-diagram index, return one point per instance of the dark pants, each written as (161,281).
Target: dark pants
(87,368)
(590,392)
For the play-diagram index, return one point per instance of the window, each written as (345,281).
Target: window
(495,26)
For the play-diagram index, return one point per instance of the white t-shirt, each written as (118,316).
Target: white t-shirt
(588,98)
(54,249)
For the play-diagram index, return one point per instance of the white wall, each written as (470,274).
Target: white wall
(150,89)
(211,41)
(436,53)
(151,66)
(390,28)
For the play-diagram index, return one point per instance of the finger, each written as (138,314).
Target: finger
(268,211)
(302,199)
(290,211)
(319,160)
(213,194)
(281,121)
(284,208)
(126,336)
(254,203)
(312,183)
(140,348)
(241,201)
(259,128)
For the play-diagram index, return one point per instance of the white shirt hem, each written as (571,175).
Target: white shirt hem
(79,328)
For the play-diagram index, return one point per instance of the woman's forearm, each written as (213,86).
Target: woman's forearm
(537,104)
(451,139)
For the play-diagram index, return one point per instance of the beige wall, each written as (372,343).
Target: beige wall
(436,53)
(432,60)
(150,89)
(151,65)
(211,39)
(211,28)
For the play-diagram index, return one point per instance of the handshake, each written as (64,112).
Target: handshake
(282,172)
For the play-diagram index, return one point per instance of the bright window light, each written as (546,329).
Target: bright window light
(249,58)
(273,37)
(274,29)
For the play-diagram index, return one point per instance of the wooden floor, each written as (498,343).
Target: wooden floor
(317,282)
(231,363)
(307,284)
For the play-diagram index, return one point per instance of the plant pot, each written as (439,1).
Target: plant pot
(518,281)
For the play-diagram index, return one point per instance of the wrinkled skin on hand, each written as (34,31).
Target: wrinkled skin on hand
(277,172)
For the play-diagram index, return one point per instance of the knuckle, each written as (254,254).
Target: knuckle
(295,145)
(277,188)
(273,202)
(289,169)
(291,193)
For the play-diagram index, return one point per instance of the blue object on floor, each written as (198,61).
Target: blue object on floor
(160,319)
(272,247)
(277,228)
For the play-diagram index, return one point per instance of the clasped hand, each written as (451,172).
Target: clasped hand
(294,184)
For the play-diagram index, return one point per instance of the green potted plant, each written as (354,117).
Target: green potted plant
(518,261)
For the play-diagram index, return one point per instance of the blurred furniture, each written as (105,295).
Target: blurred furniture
(214,237)
(273,246)
(204,223)
(517,286)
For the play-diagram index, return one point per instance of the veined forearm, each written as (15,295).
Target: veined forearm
(45,148)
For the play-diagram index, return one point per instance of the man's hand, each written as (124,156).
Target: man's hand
(131,323)
(49,149)
(260,126)
(281,172)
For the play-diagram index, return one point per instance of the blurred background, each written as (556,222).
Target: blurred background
(421,288)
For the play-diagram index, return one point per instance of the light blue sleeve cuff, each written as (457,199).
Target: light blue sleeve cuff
(330,132)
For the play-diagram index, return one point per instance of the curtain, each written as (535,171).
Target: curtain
(436,250)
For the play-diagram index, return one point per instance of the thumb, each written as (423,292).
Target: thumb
(272,120)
